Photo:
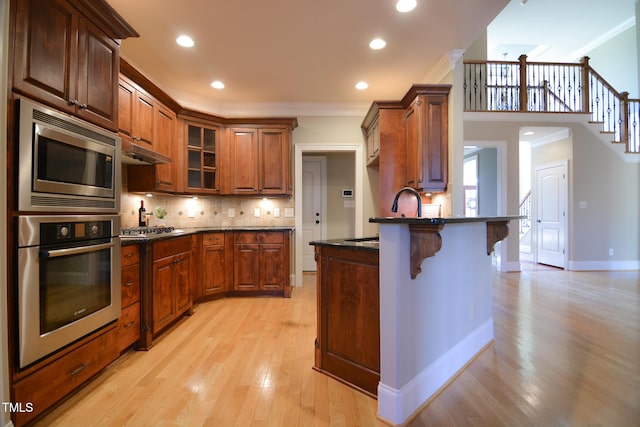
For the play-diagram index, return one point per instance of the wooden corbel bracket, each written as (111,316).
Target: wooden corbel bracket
(496,231)
(425,241)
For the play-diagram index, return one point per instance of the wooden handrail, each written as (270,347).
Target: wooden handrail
(552,87)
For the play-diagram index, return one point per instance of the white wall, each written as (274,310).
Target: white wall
(616,61)
(340,211)
(610,186)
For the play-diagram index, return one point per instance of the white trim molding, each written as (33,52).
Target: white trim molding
(397,406)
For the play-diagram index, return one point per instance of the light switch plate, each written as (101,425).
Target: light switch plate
(256,212)
(276,212)
(231,212)
(288,212)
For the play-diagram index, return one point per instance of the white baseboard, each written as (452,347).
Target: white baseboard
(397,406)
(510,266)
(604,265)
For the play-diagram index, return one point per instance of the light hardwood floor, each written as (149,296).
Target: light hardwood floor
(566,353)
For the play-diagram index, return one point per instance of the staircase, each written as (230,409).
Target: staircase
(611,116)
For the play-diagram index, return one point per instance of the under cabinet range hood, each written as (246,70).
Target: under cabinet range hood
(134,154)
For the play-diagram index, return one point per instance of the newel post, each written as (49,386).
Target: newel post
(624,132)
(585,84)
(523,82)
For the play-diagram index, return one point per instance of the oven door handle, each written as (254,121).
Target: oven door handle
(75,251)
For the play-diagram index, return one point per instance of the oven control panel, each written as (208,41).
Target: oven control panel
(70,231)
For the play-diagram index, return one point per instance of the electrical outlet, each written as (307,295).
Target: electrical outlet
(231,212)
(288,212)
(610,251)
(256,212)
(276,212)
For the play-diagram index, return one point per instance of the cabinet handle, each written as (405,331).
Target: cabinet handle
(83,106)
(129,255)
(130,324)
(79,369)
(73,102)
(129,284)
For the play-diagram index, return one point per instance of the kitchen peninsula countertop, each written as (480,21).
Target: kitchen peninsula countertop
(441,220)
(368,243)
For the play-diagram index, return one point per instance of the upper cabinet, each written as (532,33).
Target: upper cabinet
(427,141)
(202,157)
(407,142)
(136,113)
(259,160)
(67,56)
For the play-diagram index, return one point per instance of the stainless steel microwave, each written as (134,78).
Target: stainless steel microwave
(66,164)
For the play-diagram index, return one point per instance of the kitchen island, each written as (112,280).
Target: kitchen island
(434,304)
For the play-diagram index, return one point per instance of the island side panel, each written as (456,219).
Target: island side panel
(433,325)
(348,346)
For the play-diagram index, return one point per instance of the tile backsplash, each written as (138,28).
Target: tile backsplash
(209,211)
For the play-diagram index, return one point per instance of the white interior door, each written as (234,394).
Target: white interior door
(313,189)
(551,208)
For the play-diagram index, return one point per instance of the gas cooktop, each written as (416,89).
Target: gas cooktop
(148,232)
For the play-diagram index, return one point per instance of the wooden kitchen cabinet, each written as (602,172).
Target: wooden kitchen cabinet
(384,130)
(50,384)
(259,161)
(261,262)
(407,143)
(202,158)
(426,139)
(136,113)
(63,59)
(162,176)
(372,136)
(348,315)
(128,327)
(216,259)
(171,281)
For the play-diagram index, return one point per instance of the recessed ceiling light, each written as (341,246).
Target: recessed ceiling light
(217,84)
(185,41)
(377,44)
(529,132)
(361,85)
(406,5)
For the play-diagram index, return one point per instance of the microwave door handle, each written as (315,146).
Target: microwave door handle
(75,251)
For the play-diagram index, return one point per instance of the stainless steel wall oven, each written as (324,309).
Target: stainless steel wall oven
(66,164)
(69,280)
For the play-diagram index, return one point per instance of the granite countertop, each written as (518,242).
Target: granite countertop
(442,220)
(367,243)
(179,232)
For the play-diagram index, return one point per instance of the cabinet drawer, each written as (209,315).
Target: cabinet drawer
(258,237)
(170,247)
(50,384)
(129,326)
(130,255)
(130,286)
(212,239)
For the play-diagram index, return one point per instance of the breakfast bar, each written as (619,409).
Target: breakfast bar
(432,284)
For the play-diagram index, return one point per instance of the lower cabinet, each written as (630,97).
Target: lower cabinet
(261,261)
(51,383)
(216,259)
(129,322)
(171,281)
(348,316)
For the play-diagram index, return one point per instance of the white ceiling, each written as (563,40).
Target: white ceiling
(556,30)
(297,57)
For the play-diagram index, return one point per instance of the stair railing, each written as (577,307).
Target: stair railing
(525,212)
(552,87)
